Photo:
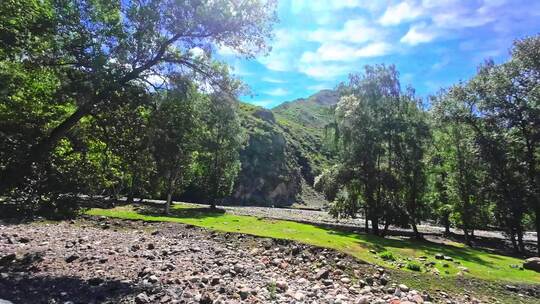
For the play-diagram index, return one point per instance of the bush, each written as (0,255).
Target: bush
(414,266)
(387,256)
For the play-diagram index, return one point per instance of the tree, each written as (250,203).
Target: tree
(175,128)
(362,117)
(412,135)
(460,159)
(507,121)
(100,49)
(222,138)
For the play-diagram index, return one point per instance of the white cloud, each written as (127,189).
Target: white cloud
(441,64)
(353,31)
(342,52)
(273,80)
(238,69)
(281,58)
(278,61)
(277,92)
(298,6)
(374,50)
(324,71)
(418,34)
(460,19)
(396,14)
(226,51)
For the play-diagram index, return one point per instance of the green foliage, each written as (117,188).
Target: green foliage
(327,183)
(222,139)
(272,289)
(175,125)
(270,173)
(383,132)
(414,266)
(63,62)
(387,256)
(487,151)
(304,122)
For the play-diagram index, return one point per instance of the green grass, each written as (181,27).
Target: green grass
(414,266)
(481,264)
(387,256)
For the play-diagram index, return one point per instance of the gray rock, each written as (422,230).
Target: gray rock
(322,274)
(532,264)
(5,260)
(363,300)
(403,288)
(282,285)
(244,293)
(153,279)
(142,298)
(206,299)
(511,288)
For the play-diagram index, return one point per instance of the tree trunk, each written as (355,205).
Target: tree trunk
(417,234)
(446,221)
(386,225)
(15,173)
(375,224)
(168,203)
(513,240)
(467,237)
(519,232)
(366,223)
(537,213)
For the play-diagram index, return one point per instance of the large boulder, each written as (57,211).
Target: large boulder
(532,264)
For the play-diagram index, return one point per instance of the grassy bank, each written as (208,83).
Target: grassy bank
(480,264)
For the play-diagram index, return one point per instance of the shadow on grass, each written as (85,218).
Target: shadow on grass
(182,212)
(378,244)
(425,247)
(364,240)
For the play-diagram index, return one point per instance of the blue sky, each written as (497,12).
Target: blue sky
(433,43)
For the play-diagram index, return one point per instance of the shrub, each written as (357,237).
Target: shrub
(414,266)
(387,256)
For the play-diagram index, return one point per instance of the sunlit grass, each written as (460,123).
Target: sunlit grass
(481,264)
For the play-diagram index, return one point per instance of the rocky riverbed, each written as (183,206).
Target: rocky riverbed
(98,260)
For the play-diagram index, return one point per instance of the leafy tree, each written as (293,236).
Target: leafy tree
(461,160)
(175,128)
(98,50)
(327,182)
(221,140)
(412,134)
(363,122)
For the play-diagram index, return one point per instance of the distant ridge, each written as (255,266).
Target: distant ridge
(323,98)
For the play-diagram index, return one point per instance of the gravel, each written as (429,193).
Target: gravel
(115,261)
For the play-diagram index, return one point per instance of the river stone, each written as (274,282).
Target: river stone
(532,264)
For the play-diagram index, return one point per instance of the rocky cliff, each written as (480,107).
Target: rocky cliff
(286,149)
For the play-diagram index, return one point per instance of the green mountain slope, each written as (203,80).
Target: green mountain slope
(304,120)
(286,149)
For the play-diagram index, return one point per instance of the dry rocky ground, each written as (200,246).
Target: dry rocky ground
(113,261)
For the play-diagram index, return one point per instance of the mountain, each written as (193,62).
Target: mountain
(305,121)
(286,149)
